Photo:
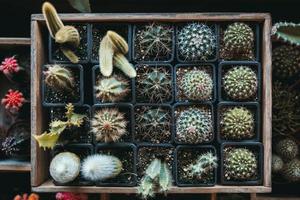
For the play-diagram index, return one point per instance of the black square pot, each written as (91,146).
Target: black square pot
(194,151)
(152,138)
(81,150)
(48,93)
(140,98)
(255,147)
(212,58)
(56,55)
(178,107)
(125,108)
(130,98)
(126,152)
(98,31)
(254,109)
(209,68)
(167,59)
(225,66)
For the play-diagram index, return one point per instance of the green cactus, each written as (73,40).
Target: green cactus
(196,41)
(287,32)
(240,83)
(58,77)
(287,148)
(277,164)
(196,85)
(291,170)
(237,123)
(240,164)
(112,89)
(68,35)
(194,125)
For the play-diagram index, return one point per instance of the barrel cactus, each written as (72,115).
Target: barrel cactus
(237,123)
(58,77)
(287,148)
(291,171)
(277,164)
(196,41)
(240,83)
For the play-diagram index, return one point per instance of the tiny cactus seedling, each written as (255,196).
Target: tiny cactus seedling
(100,167)
(291,171)
(108,125)
(9,66)
(287,32)
(59,78)
(68,35)
(277,164)
(287,148)
(240,83)
(13,100)
(196,41)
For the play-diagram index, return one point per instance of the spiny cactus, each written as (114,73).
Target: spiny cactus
(100,167)
(58,77)
(277,164)
(287,32)
(237,123)
(108,125)
(240,83)
(291,170)
(154,84)
(196,41)
(240,164)
(10,65)
(112,89)
(154,42)
(286,61)
(196,85)
(194,125)
(287,148)
(13,100)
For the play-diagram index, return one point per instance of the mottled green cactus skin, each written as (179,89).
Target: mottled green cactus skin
(237,123)
(277,164)
(240,83)
(291,171)
(287,32)
(196,41)
(287,148)
(58,77)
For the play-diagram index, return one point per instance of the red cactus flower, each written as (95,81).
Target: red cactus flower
(9,65)
(13,100)
(70,196)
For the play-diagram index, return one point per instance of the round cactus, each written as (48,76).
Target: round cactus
(240,164)
(196,41)
(240,83)
(291,171)
(277,164)
(58,77)
(194,125)
(108,125)
(237,123)
(287,148)
(196,85)
(286,61)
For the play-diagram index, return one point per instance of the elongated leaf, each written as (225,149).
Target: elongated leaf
(81,5)
(153,169)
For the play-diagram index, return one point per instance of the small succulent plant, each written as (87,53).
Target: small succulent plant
(240,164)
(13,100)
(291,171)
(287,148)
(70,196)
(9,66)
(237,123)
(196,41)
(240,83)
(287,32)
(112,89)
(154,84)
(277,164)
(194,125)
(108,125)
(154,42)
(59,78)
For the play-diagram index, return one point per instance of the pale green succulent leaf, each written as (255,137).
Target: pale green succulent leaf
(165,178)
(81,5)
(154,168)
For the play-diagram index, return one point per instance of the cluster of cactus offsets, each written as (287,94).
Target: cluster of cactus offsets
(196,41)
(240,83)
(154,42)
(287,148)
(291,171)
(196,85)
(59,78)
(112,89)
(286,61)
(287,32)
(277,164)
(240,164)
(100,167)
(237,123)
(153,125)
(153,84)
(194,125)
(108,125)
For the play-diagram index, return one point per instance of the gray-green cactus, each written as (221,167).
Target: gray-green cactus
(277,164)
(59,77)
(291,171)
(287,148)
(287,32)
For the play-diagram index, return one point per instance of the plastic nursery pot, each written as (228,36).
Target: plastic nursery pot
(181,69)
(80,134)
(253,108)
(256,46)
(98,31)
(82,51)
(184,156)
(158,58)
(126,152)
(125,108)
(227,65)
(180,107)
(51,97)
(212,58)
(81,150)
(157,136)
(142,69)
(96,75)
(257,149)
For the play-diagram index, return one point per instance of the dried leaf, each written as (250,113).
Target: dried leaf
(81,5)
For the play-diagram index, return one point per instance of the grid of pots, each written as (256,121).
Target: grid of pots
(177,152)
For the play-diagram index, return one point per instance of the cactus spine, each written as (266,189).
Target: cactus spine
(58,77)
(291,171)
(287,32)
(287,148)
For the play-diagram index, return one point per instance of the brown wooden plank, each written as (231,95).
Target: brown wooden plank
(14,166)
(104,196)
(267,197)
(213,196)
(14,41)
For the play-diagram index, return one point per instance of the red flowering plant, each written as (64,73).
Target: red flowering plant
(71,196)
(13,101)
